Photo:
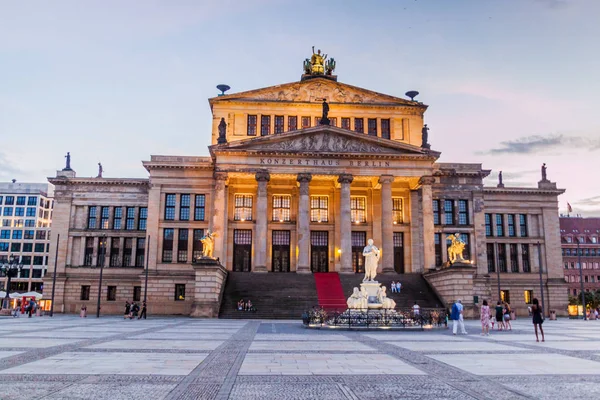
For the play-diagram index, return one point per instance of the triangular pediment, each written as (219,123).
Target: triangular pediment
(325,140)
(315,90)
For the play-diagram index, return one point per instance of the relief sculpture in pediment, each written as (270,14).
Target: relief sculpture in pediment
(326,142)
(317,91)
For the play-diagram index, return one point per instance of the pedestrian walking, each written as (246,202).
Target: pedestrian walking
(506,310)
(457,317)
(83,312)
(499,315)
(143,313)
(484,314)
(30,307)
(538,319)
(127,310)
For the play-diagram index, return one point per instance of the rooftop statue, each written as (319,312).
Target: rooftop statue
(68,166)
(544,177)
(100,170)
(317,62)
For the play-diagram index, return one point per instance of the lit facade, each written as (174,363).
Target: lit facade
(586,233)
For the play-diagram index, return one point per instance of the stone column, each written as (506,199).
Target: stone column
(345,223)
(219,216)
(260,251)
(387,227)
(428,228)
(303,218)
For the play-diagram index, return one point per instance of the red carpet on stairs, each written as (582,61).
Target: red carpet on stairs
(329,291)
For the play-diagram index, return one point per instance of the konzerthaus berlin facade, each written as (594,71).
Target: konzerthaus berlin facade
(284,193)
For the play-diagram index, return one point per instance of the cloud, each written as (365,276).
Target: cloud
(538,143)
(7,169)
(590,201)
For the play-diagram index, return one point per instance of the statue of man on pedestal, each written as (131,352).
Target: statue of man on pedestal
(372,255)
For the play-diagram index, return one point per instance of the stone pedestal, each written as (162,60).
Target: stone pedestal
(208,288)
(372,287)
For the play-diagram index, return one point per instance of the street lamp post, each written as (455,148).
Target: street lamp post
(581,277)
(102,253)
(540,269)
(498,271)
(10,269)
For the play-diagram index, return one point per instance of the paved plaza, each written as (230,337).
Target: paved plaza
(67,357)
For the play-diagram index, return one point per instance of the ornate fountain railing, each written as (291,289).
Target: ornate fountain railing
(399,318)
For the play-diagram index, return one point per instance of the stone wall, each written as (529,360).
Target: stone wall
(454,283)
(208,289)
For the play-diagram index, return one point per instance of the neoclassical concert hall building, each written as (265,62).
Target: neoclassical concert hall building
(286,192)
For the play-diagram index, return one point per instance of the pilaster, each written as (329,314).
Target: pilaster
(345,223)
(428,228)
(260,251)
(303,250)
(219,215)
(387,228)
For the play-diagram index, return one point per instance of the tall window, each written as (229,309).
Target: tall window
(265,125)
(111,293)
(317,121)
(292,123)
(199,204)
(502,257)
(197,244)
(345,123)
(19,211)
(528,296)
(281,208)
(104,214)
(358,209)
(89,252)
(115,251)
(31,201)
(21,200)
(140,252)
(510,219)
(514,258)
(30,212)
(463,212)
(85,292)
(491,257)
(385,128)
(499,225)
(436,212)
(128,252)
(243,207)
(91,217)
(143,220)
(437,240)
(449,212)
(318,209)
(137,293)
(523,225)
(305,122)
(182,246)
(130,218)
(465,238)
(397,212)
(278,124)
(9,201)
(179,292)
(118,215)
(167,255)
(170,207)
(184,207)
(251,130)
(359,125)
(488,225)
(101,252)
(333,121)
(372,126)
(525,258)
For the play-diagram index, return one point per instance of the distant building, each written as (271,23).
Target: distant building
(586,233)
(25,218)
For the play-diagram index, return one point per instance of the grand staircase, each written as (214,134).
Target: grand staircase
(329,290)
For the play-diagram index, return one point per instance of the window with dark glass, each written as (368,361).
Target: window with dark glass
(1,198)
(514,258)
(278,124)
(397,212)
(281,208)
(104,217)
(305,122)
(525,258)
(167,254)
(8,211)
(84,293)
(199,204)
(449,212)
(30,212)
(359,125)
(437,240)
(182,246)
(140,252)
(130,218)
(243,207)
(40,235)
(9,201)
(28,247)
(499,225)
(143,220)
(345,123)
(26,260)
(18,223)
(128,252)
(39,247)
(32,201)
(15,247)
(319,209)
(197,244)
(510,219)
(21,200)
(463,212)
(89,252)
(117,217)
(115,250)
(372,126)
(179,292)
(19,211)
(17,235)
(436,212)
(101,252)
(92,217)
(491,257)
(488,225)
(292,123)
(184,207)
(385,128)
(4,246)
(111,293)
(5,234)
(30,223)
(137,293)
(29,234)
(502,257)
(251,130)
(523,225)
(317,121)
(170,200)
(265,125)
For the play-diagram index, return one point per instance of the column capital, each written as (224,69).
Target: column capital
(221,176)
(426,180)
(304,177)
(386,179)
(262,176)
(345,178)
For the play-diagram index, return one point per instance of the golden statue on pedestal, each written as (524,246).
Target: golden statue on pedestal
(208,244)
(317,62)
(456,249)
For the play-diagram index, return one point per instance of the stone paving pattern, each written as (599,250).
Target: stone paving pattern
(67,357)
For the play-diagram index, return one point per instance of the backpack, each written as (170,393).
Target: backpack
(455,313)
